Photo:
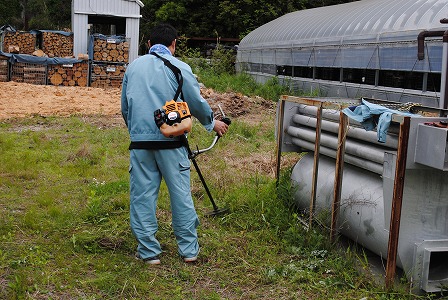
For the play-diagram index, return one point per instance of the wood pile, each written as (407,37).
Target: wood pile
(75,74)
(29,73)
(111,50)
(24,42)
(57,45)
(4,71)
(107,75)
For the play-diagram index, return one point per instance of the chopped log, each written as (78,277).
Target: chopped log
(25,41)
(107,75)
(97,56)
(13,49)
(82,81)
(39,53)
(110,50)
(55,44)
(34,69)
(56,79)
(69,75)
(82,56)
(4,70)
(114,53)
(33,75)
(97,69)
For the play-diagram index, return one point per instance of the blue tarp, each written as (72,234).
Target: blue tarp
(25,58)
(7,27)
(55,31)
(5,54)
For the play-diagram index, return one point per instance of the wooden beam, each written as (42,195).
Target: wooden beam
(316,164)
(397,199)
(339,169)
(278,148)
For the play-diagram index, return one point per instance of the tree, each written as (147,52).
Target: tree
(319,3)
(10,12)
(193,18)
(60,12)
(205,18)
(36,14)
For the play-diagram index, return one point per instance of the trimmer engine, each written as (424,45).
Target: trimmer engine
(174,119)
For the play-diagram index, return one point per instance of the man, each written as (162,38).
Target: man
(147,84)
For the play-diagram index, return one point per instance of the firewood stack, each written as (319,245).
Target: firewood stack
(109,60)
(111,50)
(23,42)
(29,73)
(107,75)
(57,45)
(4,71)
(75,74)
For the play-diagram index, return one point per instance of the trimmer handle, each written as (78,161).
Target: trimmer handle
(226,120)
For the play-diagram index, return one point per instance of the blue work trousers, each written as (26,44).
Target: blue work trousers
(147,168)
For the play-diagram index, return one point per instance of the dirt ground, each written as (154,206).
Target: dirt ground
(22,100)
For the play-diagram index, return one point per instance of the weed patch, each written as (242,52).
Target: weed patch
(64,231)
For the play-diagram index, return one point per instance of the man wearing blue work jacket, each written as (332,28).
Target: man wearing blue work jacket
(147,84)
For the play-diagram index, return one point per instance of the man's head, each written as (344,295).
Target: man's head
(164,34)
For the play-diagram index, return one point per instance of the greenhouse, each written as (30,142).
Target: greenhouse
(367,48)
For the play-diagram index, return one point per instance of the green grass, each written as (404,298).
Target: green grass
(244,84)
(64,231)
(218,72)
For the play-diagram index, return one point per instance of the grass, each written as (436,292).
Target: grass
(64,231)
(244,84)
(218,73)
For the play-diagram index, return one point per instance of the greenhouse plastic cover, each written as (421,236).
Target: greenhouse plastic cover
(359,22)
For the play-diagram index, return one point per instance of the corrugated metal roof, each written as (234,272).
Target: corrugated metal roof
(123,8)
(362,20)
(138,2)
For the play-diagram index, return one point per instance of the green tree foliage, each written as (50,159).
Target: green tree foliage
(193,18)
(229,18)
(60,13)
(36,14)
(10,12)
(205,18)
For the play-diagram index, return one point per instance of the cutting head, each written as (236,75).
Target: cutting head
(218,212)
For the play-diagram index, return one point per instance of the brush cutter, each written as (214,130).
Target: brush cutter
(192,155)
(174,119)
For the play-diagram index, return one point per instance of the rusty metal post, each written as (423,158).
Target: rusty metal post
(397,199)
(278,150)
(342,133)
(316,163)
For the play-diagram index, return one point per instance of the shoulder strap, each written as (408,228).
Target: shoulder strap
(177,74)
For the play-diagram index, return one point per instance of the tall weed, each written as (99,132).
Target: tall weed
(64,231)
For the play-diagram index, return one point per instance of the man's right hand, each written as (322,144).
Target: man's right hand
(220,127)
